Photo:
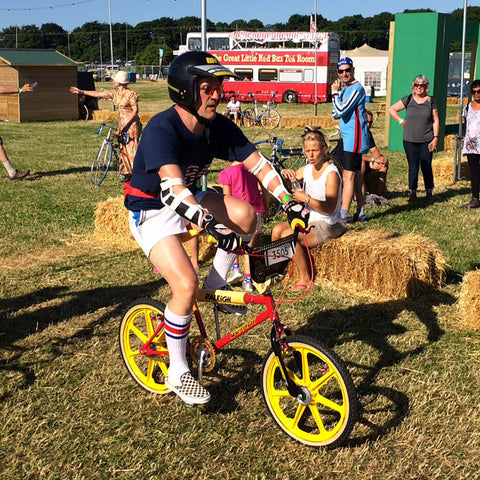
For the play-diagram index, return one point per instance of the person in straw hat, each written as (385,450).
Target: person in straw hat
(126,102)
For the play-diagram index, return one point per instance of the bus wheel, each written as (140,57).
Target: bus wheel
(290,96)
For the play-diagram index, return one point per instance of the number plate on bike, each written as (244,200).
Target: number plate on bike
(279,253)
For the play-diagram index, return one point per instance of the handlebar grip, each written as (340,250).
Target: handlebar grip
(298,224)
(211,239)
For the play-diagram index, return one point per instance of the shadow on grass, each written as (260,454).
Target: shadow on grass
(53,173)
(373,325)
(50,306)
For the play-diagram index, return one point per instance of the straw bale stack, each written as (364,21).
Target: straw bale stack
(449,143)
(469,300)
(379,262)
(111,226)
(442,167)
(324,121)
(104,116)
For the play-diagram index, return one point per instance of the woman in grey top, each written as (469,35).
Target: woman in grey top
(420,135)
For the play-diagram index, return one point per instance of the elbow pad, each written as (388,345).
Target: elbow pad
(178,203)
(269,176)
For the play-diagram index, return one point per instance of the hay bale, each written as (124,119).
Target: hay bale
(111,226)
(104,116)
(389,264)
(324,121)
(442,167)
(469,300)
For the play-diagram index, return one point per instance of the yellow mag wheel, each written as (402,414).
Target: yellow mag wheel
(138,324)
(328,411)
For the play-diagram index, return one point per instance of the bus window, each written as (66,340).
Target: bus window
(218,43)
(267,74)
(194,44)
(244,73)
(290,75)
(308,75)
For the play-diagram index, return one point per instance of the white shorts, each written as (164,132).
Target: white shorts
(150,226)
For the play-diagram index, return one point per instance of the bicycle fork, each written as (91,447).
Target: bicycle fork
(302,394)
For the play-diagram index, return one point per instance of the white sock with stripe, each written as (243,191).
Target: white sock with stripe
(222,263)
(176,332)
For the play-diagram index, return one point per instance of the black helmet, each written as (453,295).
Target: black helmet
(186,69)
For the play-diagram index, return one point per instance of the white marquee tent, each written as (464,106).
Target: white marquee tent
(370,67)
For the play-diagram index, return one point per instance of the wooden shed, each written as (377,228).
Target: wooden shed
(50,100)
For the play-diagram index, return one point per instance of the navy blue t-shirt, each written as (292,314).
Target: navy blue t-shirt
(166,141)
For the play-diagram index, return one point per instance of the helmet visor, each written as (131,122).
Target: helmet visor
(214,70)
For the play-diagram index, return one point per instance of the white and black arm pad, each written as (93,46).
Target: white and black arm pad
(264,166)
(178,203)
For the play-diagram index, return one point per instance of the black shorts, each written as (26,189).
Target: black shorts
(352,161)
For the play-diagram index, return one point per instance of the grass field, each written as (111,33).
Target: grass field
(70,411)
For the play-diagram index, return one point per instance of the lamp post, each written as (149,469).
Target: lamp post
(315,75)
(204,25)
(111,36)
(458,150)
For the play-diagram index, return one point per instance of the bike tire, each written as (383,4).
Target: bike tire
(101,164)
(329,414)
(138,324)
(270,120)
(249,117)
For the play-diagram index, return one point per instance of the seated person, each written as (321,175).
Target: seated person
(322,195)
(374,169)
(233,110)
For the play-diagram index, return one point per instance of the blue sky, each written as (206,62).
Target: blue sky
(74,13)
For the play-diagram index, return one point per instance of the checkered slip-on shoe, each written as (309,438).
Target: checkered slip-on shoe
(189,390)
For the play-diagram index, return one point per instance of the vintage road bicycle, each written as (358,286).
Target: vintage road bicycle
(306,387)
(268,117)
(108,155)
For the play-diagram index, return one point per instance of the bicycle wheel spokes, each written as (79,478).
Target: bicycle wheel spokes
(101,164)
(249,117)
(327,414)
(138,324)
(270,119)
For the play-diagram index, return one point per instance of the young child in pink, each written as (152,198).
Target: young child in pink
(239,182)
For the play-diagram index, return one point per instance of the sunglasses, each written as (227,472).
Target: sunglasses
(476,91)
(345,70)
(419,85)
(210,89)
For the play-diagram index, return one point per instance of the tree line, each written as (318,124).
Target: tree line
(91,41)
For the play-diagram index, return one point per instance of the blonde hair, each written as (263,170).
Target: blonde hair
(425,81)
(319,137)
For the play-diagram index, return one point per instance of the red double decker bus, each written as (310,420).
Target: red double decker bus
(281,66)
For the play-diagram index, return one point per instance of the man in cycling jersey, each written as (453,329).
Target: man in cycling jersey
(349,107)
(175,151)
